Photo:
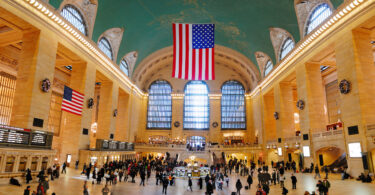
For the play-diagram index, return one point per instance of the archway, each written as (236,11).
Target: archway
(332,157)
(196,143)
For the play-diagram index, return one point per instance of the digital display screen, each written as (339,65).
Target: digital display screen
(306,151)
(39,139)
(355,150)
(105,144)
(14,137)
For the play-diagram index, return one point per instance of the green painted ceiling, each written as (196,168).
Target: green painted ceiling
(242,25)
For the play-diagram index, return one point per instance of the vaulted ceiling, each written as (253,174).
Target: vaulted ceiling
(242,25)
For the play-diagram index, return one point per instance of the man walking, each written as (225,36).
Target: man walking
(294,181)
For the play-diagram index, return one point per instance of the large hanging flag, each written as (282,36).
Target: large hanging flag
(72,101)
(193,51)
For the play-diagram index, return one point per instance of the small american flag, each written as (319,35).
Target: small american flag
(193,51)
(72,101)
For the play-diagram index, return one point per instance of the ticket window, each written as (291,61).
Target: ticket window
(44,163)
(9,164)
(34,163)
(22,165)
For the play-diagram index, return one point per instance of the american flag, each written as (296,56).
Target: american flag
(193,51)
(72,101)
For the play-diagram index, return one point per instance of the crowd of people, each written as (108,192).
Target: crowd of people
(260,174)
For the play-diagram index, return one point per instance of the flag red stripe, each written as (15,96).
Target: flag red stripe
(200,64)
(180,50)
(213,63)
(79,114)
(174,50)
(207,56)
(187,51)
(68,105)
(193,64)
(78,94)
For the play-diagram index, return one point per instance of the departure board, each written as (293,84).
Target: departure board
(14,137)
(105,144)
(121,146)
(39,139)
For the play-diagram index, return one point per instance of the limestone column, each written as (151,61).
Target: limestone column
(36,63)
(250,129)
(122,120)
(107,104)
(28,162)
(313,118)
(71,130)
(284,106)
(16,163)
(355,63)
(87,113)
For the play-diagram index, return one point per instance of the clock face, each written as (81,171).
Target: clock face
(344,86)
(46,85)
(300,104)
(176,124)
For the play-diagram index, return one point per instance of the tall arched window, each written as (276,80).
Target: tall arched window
(268,67)
(72,15)
(159,113)
(196,106)
(105,46)
(233,114)
(317,16)
(124,66)
(287,46)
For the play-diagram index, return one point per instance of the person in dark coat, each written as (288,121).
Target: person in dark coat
(143,177)
(209,188)
(165,185)
(294,181)
(14,182)
(190,183)
(28,176)
(249,181)
(238,186)
(200,183)
(27,191)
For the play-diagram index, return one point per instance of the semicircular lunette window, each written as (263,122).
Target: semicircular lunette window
(106,48)
(72,15)
(317,16)
(124,66)
(196,106)
(268,68)
(287,46)
(233,115)
(159,112)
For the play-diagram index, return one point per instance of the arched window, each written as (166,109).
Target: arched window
(196,106)
(105,46)
(318,15)
(159,113)
(268,67)
(72,15)
(124,66)
(233,114)
(287,46)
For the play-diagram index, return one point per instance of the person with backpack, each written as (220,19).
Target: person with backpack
(294,181)
(238,186)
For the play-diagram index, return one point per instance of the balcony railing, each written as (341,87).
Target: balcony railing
(327,134)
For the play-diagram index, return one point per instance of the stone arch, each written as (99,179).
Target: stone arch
(160,62)
(303,9)
(88,9)
(114,36)
(262,59)
(131,59)
(278,36)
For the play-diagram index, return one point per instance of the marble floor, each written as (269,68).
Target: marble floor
(72,182)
